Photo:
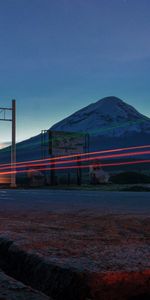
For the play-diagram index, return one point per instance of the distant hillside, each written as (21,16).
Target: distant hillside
(110,122)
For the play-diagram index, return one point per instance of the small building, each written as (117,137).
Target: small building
(97,174)
(36,178)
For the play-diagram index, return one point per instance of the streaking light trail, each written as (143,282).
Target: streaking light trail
(85,159)
(83,166)
(26,163)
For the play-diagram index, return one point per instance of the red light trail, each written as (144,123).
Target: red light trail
(27,163)
(85,159)
(83,166)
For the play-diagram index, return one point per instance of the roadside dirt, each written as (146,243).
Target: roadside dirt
(113,250)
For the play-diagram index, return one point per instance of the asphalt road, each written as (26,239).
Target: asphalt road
(75,200)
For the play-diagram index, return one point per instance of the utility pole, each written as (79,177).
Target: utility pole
(13,147)
(4,117)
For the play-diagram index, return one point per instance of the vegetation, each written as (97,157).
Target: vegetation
(130,177)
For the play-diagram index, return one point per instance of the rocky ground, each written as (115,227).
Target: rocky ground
(90,242)
(114,250)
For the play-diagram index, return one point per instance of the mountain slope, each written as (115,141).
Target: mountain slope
(108,117)
(110,122)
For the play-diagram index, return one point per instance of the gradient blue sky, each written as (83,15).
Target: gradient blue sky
(57,56)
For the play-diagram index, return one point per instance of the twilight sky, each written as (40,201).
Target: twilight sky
(57,56)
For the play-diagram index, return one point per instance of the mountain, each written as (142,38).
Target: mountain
(110,122)
(107,117)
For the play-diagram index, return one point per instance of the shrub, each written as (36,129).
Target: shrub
(130,177)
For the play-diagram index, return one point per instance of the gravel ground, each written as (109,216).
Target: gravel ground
(84,241)
(100,233)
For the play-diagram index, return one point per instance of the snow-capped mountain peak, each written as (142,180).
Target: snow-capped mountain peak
(109,116)
(110,122)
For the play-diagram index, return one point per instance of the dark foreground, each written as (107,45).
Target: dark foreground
(96,244)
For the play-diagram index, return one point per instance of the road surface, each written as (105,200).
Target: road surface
(75,200)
